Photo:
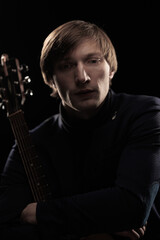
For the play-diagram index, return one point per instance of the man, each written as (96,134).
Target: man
(101,152)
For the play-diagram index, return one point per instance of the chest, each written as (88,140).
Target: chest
(86,161)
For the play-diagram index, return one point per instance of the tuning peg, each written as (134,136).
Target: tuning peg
(27,79)
(16,82)
(3,103)
(29,92)
(2,106)
(24,68)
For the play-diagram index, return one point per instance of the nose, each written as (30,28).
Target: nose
(81,75)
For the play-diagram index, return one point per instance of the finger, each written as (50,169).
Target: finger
(141,231)
(132,235)
(144,228)
(135,234)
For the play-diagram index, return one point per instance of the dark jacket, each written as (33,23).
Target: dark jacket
(104,173)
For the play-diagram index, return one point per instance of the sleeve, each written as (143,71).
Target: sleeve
(139,168)
(126,205)
(15,194)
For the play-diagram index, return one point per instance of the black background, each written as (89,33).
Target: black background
(133,27)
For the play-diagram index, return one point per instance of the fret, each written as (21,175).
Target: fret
(33,166)
(12,89)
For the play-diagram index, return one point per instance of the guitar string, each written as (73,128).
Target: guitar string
(29,169)
(28,172)
(30,155)
(25,156)
(43,187)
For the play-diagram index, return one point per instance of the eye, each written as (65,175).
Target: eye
(66,66)
(94,61)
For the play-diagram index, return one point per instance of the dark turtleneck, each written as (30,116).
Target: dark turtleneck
(71,123)
(104,172)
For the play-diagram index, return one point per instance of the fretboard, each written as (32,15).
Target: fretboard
(32,164)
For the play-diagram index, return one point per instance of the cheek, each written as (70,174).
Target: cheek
(62,81)
(102,77)
(60,86)
(63,85)
(103,82)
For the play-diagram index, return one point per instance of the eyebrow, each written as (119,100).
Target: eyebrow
(93,54)
(89,55)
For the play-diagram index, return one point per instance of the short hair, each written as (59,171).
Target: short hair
(65,38)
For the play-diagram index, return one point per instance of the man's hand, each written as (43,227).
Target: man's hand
(28,214)
(133,234)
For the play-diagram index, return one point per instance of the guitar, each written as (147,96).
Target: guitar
(12,87)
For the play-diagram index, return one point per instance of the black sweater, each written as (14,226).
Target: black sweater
(104,172)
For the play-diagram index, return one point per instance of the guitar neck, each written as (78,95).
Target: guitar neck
(32,165)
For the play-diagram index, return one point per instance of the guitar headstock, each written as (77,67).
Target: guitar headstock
(12,83)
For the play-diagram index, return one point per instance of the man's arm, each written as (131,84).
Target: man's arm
(127,204)
(124,206)
(28,215)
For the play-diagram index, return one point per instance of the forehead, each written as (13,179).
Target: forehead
(86,47)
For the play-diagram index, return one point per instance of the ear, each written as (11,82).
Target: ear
(52,85)
(111,74)
(52,82)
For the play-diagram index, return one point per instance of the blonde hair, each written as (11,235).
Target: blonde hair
(66,37)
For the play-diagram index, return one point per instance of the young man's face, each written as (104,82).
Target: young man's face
(82,79)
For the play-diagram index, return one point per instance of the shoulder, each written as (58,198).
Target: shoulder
(134,104)
(46,128)
(139,113)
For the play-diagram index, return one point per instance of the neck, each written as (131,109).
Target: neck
(85,120)
(82,114)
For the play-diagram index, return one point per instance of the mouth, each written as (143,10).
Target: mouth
(84,92)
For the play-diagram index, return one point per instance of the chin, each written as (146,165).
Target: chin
(87,106)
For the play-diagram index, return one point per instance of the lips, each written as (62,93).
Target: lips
(85,92)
